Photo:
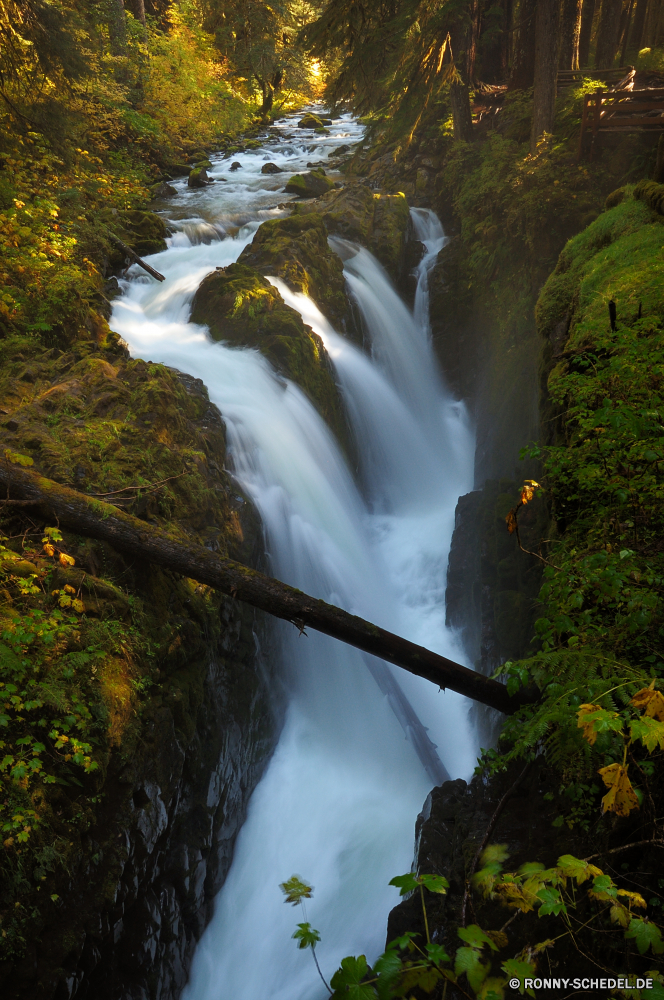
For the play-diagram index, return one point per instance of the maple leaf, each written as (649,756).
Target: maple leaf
(66,560)
(650,731)
(646,935)
(621,797)
(651,701)
(295,890)
(528,490)
(594,719)
(510,521)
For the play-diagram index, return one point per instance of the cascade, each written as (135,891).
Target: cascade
(360,747)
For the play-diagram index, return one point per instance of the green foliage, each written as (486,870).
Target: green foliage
(295,890)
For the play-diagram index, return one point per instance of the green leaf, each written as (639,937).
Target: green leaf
(295,890)
(646,935)
(574,868)
(403,942)
(494,854)
(347,980)
(468,960)
(476,937)
(306,936)
(649,731)
(516,969)
(437,954)
(434,883)
(552,902)
(405,883)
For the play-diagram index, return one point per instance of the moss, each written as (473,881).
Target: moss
(296,250)
(309,185)
(652,194)
(145,232)
(198,177)
(241,307)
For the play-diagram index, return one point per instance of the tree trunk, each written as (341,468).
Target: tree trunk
(138,10)
(608,34)
(625,29)
(569,34)
(546,70)
(652,25)
(118,28)
(155,545)
(462,118)
(586,33)
(523,67)
(638,28)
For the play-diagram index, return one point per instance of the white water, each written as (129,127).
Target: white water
(339,799)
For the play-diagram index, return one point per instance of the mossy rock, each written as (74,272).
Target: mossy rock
(296,250)
(652,194)
(377,221)
(145,232)
(614,199)
(242,308)
(309,185)
(310,121)
(198,177)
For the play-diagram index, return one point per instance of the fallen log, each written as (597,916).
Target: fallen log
(137,260)
(97,519)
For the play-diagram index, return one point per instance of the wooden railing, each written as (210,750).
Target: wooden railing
(620,111)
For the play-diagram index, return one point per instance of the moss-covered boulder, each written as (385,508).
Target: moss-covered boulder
(145,232)
(296,250)
(241,307)
(162,190)
(377,221)
(313,121)
(309,185)
(271,168)
(198,177)
(652,194)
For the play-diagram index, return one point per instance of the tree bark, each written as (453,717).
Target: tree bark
(638,28)
(137,260)
(570,34)
(118,28)
(523,68)
(608,34)
(586,33)
(138,10)
(546,70)
(156,545)
(462,118)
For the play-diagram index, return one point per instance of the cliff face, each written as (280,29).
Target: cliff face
(108,893)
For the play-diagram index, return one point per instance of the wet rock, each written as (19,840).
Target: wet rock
(313,121)
(296,250)
(162,190)
(198,177)
(241,307)
(145,232)
(309,185)
(271,168)
(340,150)
(236,165)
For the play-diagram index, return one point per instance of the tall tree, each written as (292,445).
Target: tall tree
(586,33)
(523,66)
(570,32)
(638,28)
(138,10)
(546,69)
(608,33)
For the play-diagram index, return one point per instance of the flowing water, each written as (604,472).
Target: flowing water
(362,742)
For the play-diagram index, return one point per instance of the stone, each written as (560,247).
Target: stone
(309,185)
(145,232)
(163,190)
(198,178)
(236,165)
(313,121)
(240,307)
(271,168)
(340,150)
(297,251)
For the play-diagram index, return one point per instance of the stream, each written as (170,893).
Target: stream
(362,742)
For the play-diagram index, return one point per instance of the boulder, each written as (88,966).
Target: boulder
(296,250)
(271,168)
(198,177)
(145,232)
(242,308)
(378,221)
(309,185)
(179,169)
(340,150)
(236,165)
(162,190)
(310,121)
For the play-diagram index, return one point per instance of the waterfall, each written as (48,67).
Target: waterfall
(354,762)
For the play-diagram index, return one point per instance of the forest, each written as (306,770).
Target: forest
(331,338)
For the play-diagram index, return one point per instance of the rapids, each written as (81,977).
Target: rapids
(357,754)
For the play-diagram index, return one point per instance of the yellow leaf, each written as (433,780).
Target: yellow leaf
(510,521)
(650,701)
(528,490)
(78,606)
(66,560)
(634,897)
(619,914)
(589,732)
(621,797)
(49,550)
(16,459)
(69,590)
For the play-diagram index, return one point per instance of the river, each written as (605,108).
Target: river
(362,742)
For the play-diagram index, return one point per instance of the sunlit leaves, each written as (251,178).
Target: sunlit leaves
(306,936)
(651,701)
(295,890)
(620,798)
